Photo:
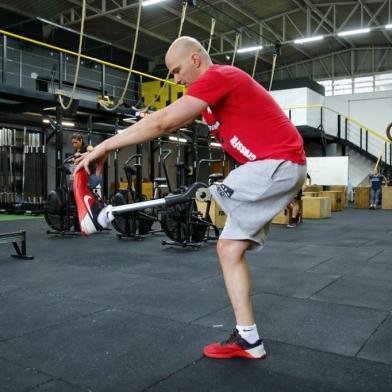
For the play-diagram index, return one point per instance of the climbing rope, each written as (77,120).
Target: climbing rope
(212,31)
(104,103)
(60,92)
(255,62)
(183,15)
(277,52)
(237,41)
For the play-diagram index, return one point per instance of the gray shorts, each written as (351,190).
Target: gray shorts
(253,194)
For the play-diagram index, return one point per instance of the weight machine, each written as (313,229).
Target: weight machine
(60,210)
(139,223)
(187,229)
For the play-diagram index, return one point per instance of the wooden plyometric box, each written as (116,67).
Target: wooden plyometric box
(386,198)
(361,197)
(313,188)
(316,207)
(283,218)
(343,189)
(336,199)
(310,194)
(148,190)
(218,216)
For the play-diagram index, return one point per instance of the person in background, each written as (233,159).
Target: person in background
(376,180)
(295,205)
(81,148)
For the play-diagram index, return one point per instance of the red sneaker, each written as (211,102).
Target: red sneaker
(86,204)
(235,346)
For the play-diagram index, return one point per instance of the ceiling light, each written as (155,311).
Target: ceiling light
(249,49)
(151,2)
(353,32)
(46,121)
(68,124)
(388,26)
(130,120)
(213,144)
(309,39)
(177,139)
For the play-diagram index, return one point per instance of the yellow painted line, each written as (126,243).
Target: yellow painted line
(362,126)
(70,52)
(303,107)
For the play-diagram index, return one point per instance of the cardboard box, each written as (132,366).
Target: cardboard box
(218,216)
(361,197)
(283,218)
(316,207)
(336,199)
(386,198)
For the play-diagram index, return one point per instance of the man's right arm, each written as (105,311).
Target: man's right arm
(179,113)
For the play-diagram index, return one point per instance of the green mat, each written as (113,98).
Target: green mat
(11,217)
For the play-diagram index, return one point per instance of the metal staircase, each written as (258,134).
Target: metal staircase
(326,125)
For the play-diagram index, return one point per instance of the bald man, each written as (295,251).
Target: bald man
(254,130)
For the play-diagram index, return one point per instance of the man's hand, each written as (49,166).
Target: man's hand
(98,155)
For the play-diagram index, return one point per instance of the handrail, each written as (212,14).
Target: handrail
(70,52)
(375,133)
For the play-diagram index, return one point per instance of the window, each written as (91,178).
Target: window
(362,84)
(383,82)
(343,86)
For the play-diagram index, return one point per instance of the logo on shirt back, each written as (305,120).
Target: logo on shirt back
(215,126)
(236,143)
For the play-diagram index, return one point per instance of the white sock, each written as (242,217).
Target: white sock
(249,333)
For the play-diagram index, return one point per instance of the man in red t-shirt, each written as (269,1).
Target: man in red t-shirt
(253,130)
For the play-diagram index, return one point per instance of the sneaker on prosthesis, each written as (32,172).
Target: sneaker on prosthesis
(235,346)
(87,206)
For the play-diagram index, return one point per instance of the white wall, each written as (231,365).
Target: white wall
(371,109)
(360,167)
(300,97)
(313,115)
(329,170)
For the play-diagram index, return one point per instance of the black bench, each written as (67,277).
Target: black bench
(16,237)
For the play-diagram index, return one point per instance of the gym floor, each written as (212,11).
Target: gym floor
(103,314)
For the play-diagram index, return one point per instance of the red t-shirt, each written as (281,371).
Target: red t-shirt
(245,118)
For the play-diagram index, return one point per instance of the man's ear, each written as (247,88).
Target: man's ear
(196,60)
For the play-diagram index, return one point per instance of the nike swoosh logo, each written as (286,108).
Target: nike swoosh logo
(86,199)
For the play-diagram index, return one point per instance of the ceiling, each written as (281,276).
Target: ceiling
(255,22)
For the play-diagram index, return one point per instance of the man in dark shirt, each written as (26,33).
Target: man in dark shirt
(375,188)
(80,147)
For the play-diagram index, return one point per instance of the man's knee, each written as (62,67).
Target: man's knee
(231,250)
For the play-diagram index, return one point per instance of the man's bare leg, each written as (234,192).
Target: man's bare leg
(237,278)
(245,340)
